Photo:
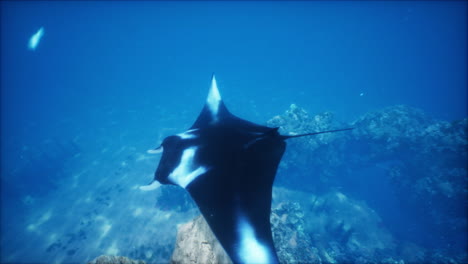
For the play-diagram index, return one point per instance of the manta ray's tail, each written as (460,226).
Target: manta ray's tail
(315,133)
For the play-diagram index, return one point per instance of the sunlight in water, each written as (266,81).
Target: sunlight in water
(112,250)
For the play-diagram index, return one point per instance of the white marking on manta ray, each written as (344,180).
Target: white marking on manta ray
(153,186)
(183,174)
(251,250)
(187,134)
(34,40)
(213,100)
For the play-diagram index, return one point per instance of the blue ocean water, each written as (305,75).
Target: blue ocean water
(109,80)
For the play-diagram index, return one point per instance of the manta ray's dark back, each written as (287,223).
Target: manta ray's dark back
(228,165)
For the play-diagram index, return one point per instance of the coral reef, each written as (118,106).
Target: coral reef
(420,161)
(291,242)
(345,230)
(330,228)
(322,154)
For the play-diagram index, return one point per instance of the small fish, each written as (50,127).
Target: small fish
(35,39)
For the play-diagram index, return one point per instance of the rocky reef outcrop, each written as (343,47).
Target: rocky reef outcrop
(196,243)
(419,161)
(291,241)
(314,236)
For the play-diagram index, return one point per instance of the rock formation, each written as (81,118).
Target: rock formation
(197,244)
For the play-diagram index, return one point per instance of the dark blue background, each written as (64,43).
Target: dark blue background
(266,55)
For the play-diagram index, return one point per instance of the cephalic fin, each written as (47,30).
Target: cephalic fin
(157,150)
(152,186)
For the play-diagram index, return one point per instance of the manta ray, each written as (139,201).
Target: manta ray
(228,166)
